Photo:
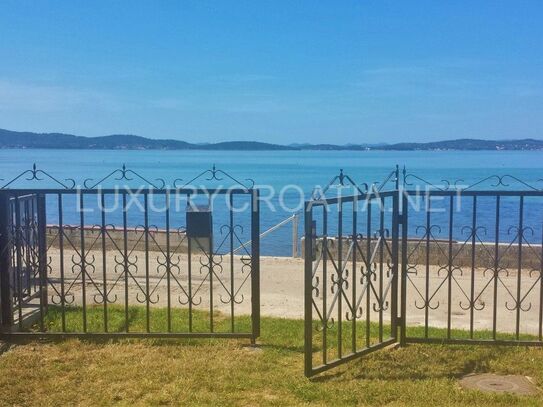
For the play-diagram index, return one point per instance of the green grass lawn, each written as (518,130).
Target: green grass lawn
(227,372)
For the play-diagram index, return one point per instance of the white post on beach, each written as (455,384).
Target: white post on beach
(295,235)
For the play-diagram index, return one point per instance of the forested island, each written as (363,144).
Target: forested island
(17,139)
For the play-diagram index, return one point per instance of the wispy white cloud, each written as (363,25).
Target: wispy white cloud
(422,77)
(43,98)
(444,78)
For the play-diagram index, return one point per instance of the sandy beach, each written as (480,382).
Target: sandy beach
(282,291)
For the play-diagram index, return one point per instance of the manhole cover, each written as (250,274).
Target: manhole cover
(492,383)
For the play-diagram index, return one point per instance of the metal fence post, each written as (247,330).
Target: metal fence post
(395,268)
(403,295)
(255,264)
(6,304)
(308,289)
(42,253)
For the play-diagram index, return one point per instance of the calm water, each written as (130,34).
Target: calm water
(280,168)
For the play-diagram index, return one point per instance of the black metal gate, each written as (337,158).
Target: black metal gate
(351,278)
(422,263)
(23,257)
(151,261)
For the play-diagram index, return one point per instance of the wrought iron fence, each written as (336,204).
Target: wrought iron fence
(151,261)
(402,261)
(420,262)
(473,262)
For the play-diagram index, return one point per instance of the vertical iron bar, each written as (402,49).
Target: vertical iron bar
(26,225)
(104,256)
(255,264)
(6,295)
(450,267)
(519,272)
(403,296)
(381,300)
(308,290)
(231,219)
(368,273)
(353,278)
(541,289)
(147,287)
(168,265)
(472,283)
(394,260)
(18,243)
(42,256)
(61,254)
(324,283)
(189,268)
(496,268)
(340,280)
(427,280)
(83,259)
(126,265)
(211,272)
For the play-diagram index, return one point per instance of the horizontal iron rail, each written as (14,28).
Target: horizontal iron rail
(451,341)
(352,356)
(126,190)
(106,335)
(386,194)
(241,191)
(350,198)
(460,192)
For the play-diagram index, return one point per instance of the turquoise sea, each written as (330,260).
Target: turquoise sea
(276,169)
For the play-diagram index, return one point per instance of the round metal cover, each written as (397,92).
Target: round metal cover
(492,383)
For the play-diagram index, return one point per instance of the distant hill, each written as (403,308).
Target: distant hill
(16,139)
(350,146)
(244,145)
(470,144)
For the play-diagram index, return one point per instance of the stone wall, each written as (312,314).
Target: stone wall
(439,251)
(115,239)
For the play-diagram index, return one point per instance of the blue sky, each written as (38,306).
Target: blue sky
(275,71)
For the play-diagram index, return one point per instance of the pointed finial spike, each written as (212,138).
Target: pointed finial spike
(341,176)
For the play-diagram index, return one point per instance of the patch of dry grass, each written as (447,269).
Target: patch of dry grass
(225,372)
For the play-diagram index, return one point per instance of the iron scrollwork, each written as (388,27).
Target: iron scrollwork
(36,174)
(125,174)
(492,181)
(341,180)
(214,174)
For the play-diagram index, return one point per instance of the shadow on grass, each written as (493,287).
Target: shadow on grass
(418,362)
(285,338)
